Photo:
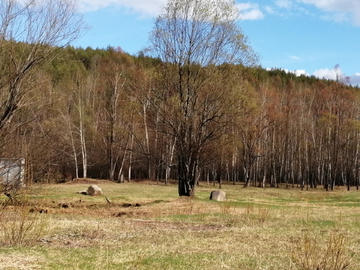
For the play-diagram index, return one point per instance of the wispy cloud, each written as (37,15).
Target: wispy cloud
(336,17)
(250,11)
(330,10)
(295,57)
(335,10)
(283,3)
(152,8)
(269,9)
(286,8)
(340,8)
(355,79)
(144,7)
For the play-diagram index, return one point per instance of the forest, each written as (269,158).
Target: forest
(194,111)
(89,114)
(198,108)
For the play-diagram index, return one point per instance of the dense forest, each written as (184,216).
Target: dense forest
(195,106)
(91,113)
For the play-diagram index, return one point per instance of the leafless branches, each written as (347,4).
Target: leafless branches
(31,31)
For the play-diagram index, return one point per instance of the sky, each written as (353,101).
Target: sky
(312,37)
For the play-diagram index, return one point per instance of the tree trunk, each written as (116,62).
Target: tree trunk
(187,177)
(130,157)
(82,138)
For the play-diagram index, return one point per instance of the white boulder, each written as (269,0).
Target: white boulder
(94,190)
(218,195)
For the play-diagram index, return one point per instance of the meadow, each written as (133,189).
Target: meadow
(147,226)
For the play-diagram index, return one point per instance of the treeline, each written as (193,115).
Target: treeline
(99,114)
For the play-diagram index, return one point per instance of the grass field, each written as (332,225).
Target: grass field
(147,226)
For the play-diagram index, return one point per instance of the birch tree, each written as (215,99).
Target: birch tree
(193,38)
(31,31)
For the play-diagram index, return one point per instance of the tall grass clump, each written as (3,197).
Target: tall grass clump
(329,254)
(20,225)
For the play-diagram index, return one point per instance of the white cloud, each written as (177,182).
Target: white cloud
(297,72)
(334,5)
(329,74)
(283,3)
(152,8)
(269,9)
(355,79)
(250,11)
(336,17)
(337,74)
(254,14)
(341,7)
(294,57)
(300,72)
(145,7)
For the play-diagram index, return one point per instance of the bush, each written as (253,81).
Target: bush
(20,226)
(330,254)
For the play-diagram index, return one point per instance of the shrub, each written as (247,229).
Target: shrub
(330,254)
(20,226)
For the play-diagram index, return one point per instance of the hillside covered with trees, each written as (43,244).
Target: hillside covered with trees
(195,113)
(90,114)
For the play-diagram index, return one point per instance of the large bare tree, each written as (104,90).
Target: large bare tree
(193,38)
(31,31)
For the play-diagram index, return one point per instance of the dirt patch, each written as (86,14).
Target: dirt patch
(88,181)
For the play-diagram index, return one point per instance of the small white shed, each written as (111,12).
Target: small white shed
(12,171)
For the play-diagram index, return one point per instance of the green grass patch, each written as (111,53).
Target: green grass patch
(147,226)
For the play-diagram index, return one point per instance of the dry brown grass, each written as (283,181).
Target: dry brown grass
(313,253)
(20,226)
(147,226)
(19,261)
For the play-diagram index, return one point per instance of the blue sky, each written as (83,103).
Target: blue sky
(306,36)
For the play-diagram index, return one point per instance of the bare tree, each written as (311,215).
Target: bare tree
(31,32)
(193,38)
